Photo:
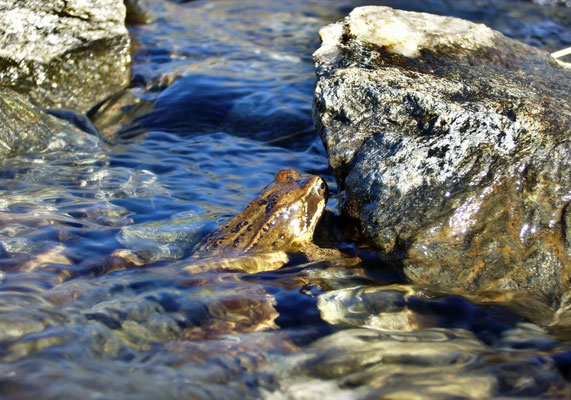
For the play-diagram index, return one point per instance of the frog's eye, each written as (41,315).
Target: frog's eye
(322,186)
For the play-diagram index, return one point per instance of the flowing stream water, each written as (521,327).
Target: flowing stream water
(226,92)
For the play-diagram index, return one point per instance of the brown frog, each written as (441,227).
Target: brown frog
(279,222)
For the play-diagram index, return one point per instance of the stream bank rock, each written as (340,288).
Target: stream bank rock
(64,54)
(26,129)
(451,144)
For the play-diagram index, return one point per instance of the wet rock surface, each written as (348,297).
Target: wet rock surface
(25,128)
(451,144)
(65,54)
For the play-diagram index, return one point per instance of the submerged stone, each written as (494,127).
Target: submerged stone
(65,54)
(450,143)
(164,240)
(25,128)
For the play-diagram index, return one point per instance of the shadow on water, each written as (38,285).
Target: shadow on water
(261,109)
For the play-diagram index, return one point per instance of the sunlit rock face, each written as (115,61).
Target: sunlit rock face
(65,54)
(451,143)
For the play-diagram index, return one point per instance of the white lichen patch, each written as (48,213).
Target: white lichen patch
(406,33)
(330,37)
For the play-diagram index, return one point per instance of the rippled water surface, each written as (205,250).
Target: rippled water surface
(220,101)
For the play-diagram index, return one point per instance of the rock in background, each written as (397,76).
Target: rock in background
(26,129)
(64,54)
(451,144)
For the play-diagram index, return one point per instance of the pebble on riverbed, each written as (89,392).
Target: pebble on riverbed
(450,143)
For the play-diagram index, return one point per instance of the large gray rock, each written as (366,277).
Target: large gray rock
(65,54)
(451,144)
(24,128)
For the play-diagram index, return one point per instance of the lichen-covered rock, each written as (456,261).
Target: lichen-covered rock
(65,54)
(451,144)
(24,128)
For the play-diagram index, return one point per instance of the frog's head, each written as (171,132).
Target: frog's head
(294,205)
(282,218)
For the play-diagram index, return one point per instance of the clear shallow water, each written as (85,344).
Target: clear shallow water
(230,87)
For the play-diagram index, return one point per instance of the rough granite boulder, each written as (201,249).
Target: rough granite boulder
(64,54)
(451,144)
(25,129)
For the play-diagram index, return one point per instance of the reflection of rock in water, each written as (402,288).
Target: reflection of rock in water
(376,307)
(407,308)
(249,311)
(427,364)
(175,306)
